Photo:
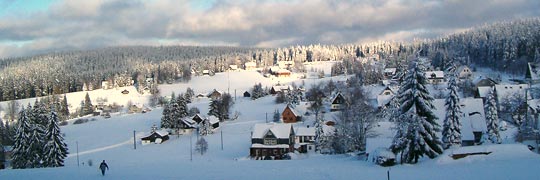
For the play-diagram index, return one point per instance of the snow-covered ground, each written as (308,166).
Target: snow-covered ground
(112,140)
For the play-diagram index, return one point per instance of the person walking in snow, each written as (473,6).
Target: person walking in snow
(102,166)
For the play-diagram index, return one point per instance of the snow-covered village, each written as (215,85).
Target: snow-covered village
(464,104)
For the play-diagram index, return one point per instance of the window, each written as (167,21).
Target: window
(270,141)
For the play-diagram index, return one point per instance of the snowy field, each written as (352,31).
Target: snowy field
(112,140)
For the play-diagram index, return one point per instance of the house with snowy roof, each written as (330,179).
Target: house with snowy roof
(386,95)
(280,88)
(338,102)
(464,72)
(156,136)
(289,115)
(215,94)
(272,141)
(434,77)
(483,86)
(389,72)
(305,139)
(505,92)
(473,121)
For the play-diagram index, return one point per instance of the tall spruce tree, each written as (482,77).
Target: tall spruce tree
(64,109)
(492,118)
(451,133)
(416,111)
(55,149)
(21,154)
(88,107)
(213,109)
(166,119)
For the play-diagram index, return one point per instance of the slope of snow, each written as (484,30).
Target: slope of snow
(112,140)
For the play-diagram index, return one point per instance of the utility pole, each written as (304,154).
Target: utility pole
(388,174)
(77,144)
(191,147)
(221,139)
(134,141)
(266,117)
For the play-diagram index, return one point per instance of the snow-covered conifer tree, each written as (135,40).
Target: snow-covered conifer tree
(21,158)
(64,109)
(451,133)
(416,109)
(277,116)
(492,118)
(88,107)
(55,149)
(204,127)
(166,119)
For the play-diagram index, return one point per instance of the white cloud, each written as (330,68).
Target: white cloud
(264,23)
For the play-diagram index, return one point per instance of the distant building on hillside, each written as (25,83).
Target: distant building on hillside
(435,77)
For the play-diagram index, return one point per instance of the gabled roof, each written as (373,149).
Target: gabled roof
(305,131)
(281,87)
(461,68)
(162,133)
(337,98)
(472,119)
(434,74)
(483,91)
(280,130)
(213,119)
(291,109)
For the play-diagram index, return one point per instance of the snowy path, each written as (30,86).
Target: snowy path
(102,148)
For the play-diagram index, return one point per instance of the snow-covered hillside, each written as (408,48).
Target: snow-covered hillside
(112,140)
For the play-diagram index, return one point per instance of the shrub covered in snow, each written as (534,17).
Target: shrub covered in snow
(383,157)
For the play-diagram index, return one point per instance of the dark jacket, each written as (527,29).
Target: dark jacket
(103,165)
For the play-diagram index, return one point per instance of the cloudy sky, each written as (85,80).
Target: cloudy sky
(37,26)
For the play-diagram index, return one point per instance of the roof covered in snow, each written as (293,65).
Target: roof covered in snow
(506,90)
(213,119)
(280,130)
(483,91)
(434,74)
(472,119)
(305,131)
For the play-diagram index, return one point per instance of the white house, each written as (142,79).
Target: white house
(305,139)
(434,77)
(504,92)
(464,72)
(385,95)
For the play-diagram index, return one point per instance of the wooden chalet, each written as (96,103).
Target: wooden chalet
(157,137)
(247,94)
(272,141)
(289,115)
(338,103)
(279,88)
(214,95)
